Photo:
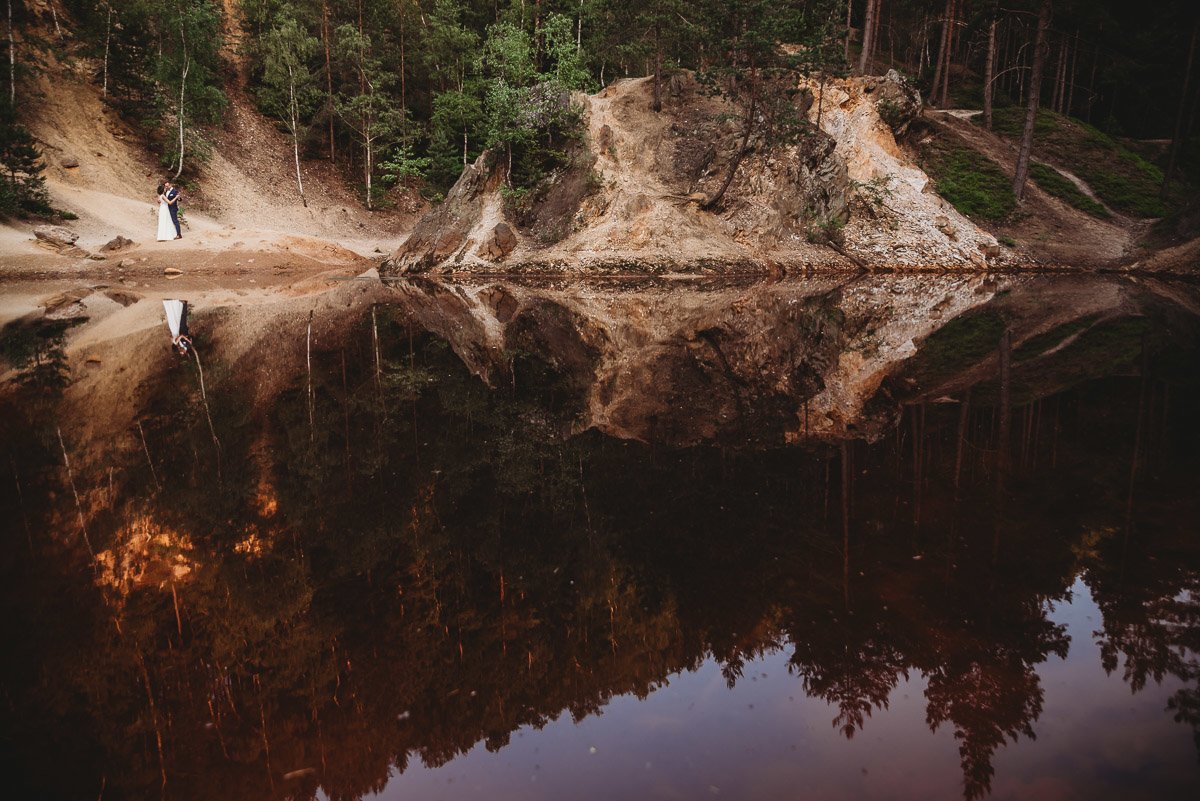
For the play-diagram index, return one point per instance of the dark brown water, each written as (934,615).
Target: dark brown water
(829,540)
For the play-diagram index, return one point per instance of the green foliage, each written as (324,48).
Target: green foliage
(891,113)
(22,187)
(403,166)
(1006,240)
(874,194)
(289,90)
(973,183)
(1057,184)
(163,61)
(828,232)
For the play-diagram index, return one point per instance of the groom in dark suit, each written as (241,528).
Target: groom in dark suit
(173,207)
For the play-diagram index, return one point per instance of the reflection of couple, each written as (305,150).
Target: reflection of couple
(177,314)
(168,212)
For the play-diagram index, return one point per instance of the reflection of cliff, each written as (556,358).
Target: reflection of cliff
(793,361)
(413,562)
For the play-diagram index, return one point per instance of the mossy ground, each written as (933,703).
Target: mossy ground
(973,183)
(1055,183)
(1121,178)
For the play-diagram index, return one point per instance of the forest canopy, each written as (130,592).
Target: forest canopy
(405,92)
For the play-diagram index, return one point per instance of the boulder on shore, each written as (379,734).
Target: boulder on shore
(56,236)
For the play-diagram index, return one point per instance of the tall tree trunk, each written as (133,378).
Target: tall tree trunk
(1178,136)
(403,84)
(182,100)
(1031,108)
(989,70)
(849,13)
(951,38)
(12,61)
(328,78)
(294,113)
(942,51)
(868,38)
(107,42)
(657,104)
(1092,79)
(1060,67)
(1071,77)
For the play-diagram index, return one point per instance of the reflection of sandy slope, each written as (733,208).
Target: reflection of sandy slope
(119,356)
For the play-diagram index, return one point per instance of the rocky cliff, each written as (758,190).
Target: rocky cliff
(843,196)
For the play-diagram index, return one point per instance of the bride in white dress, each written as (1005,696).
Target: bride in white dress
(166,229)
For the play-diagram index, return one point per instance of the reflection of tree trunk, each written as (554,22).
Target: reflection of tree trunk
(149,461)
(346,421)
(74,492)
(207,413)
(308,363)
(1031,108)
(846,473)
(1136,457)
(375,348)
(262,712)
(1002,444)
(918,456)
(964,413)
(21,502)
(162,763)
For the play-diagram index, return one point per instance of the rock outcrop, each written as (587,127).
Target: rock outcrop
(635,200)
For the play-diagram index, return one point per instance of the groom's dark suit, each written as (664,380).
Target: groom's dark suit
(173,207)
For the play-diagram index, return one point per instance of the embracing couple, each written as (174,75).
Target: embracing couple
(168,212)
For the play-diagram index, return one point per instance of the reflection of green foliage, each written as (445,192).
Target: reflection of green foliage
(1037,345)
(958,344)
(35,350)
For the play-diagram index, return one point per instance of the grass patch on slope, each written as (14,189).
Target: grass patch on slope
(1118,176)
(973,183)
(1055,183)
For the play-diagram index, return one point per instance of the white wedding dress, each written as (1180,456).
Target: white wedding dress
(166,228)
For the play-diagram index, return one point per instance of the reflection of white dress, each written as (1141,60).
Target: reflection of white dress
(166,228)
(174,311)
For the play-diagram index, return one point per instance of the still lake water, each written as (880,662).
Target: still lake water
(888,538)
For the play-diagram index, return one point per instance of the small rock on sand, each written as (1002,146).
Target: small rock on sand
(119,243)
(172,271)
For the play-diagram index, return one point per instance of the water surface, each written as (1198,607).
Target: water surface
(874,538)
